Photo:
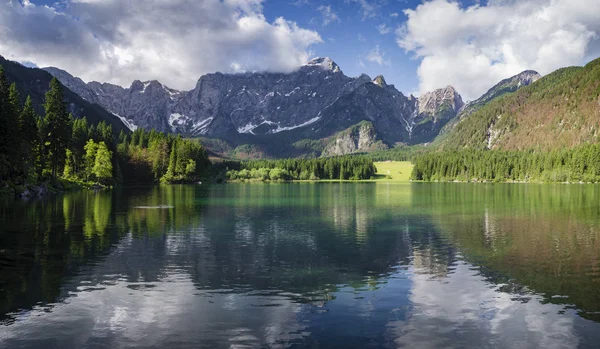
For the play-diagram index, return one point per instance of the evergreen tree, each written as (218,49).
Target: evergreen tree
(57,129)
(104,133)
(158,152)
(91,148)
(172,160)
(79,137)
(29,139)
(5,121)
(42,160)
(103,164)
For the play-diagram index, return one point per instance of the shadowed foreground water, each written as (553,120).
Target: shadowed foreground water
(303,265)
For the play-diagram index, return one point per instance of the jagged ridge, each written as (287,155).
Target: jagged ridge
(314,102)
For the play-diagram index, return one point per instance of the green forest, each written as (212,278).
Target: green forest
(579,164)
(62,150)
(332,168)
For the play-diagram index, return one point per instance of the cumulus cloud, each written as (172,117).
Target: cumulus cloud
(472,48)
(378,56)
(328,15)
(174,41)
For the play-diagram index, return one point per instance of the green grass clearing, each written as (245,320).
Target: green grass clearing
(395,171)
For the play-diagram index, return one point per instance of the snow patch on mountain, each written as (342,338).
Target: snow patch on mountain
(129,123)
(324,63)
(201,127)
(287,128)
(247,128)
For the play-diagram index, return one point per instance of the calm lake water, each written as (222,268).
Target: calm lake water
(304,265)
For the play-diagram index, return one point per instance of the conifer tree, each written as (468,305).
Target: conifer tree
(5,144)
(57,126)
(91,149)
(29,139)
(102,164)
(13,136)
(79,137)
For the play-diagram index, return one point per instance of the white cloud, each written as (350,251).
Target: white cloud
(174,41)
(299,3)
(473,48)
(328,15)
(482,313)
(378,56)
(368,9)
(384,29)
(394,14)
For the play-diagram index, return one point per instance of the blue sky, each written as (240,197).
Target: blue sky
(417,45)
(351,39)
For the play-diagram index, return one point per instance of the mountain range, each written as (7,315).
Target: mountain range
(314,102)
(314,111)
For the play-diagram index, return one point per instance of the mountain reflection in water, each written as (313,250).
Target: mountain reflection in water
(324,264)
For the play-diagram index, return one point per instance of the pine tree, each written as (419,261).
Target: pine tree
(91,148)
(105,133)
(171,170)
(57,126)
(79,137)
(29,139)
(5,142)
(103,165)
(13,136)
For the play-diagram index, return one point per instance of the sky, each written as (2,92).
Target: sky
(416,45)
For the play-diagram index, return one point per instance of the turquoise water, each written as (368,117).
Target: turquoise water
(303,265)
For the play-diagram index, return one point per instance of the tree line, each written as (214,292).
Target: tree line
(57,146)
(152,156)
(579,164)
(336,168)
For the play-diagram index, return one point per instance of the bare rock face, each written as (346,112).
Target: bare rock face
(435,109)
(314,102)
(431,102)
(358,138)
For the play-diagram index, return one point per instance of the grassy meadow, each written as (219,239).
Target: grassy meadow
(394,171)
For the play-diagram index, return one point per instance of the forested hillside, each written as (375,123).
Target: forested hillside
(59,148)
(34,82)
(561,110)
(579,164)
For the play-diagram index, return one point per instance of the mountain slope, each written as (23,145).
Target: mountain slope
(505,86)
(35,83)
(314,102)
(559,110)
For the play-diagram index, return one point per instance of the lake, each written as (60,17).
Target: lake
(319,265)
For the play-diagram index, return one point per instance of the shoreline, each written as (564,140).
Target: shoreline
(40,190)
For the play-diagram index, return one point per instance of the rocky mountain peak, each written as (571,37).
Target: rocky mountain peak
(136,85)
(379,81)
(431,102)
(508,85)
(528,76)
(325,63)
